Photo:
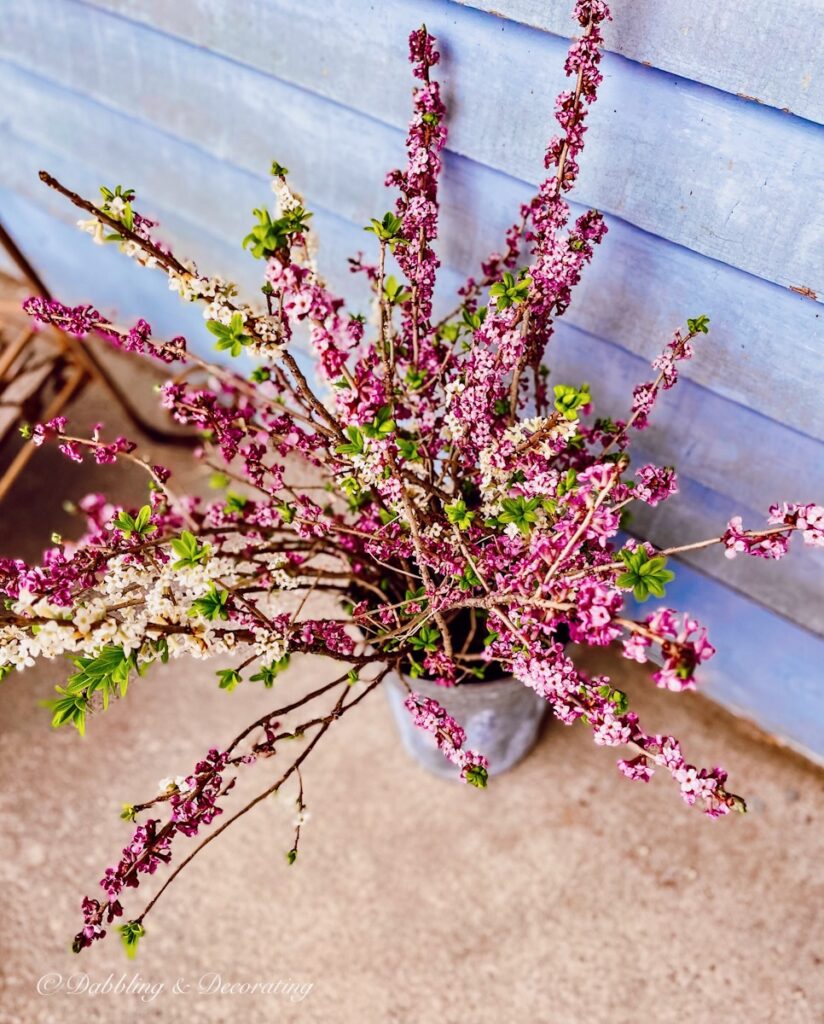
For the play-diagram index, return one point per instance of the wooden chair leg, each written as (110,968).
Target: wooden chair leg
(58,403)
(87,358)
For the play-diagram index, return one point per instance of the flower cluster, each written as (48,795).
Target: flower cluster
(429,715)
(194,803)
(775,542)
(462,515)
(655,484)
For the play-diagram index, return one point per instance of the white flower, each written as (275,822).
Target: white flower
(93,227)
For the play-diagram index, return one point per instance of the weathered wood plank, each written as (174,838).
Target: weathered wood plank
(706,170)
(707,437)
(769,53)
(637,289)
(733,49)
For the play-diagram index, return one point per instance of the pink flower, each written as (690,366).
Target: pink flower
(636,646)
(638,769)
(759,545)
(655,483)
(597,606)
(429,715)
(611,731)
(807,518)
(71,450)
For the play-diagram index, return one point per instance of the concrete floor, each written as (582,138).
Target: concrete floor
(563,894)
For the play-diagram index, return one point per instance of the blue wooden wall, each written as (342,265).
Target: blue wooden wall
(705,152)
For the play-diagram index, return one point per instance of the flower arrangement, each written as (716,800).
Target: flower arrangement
(464,513)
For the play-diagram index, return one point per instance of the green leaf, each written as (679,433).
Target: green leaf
(381,425)
(106,673)
(415,378)
(458,514)
(140,524)
(229,678)
(270,236)
(236,503)
(567,482)
(69,709)
(468,579)
(474,320)
(699,325)
(409,450)
(644,575)
(521,511)
(291,856)
(268,673)
(355,445)
(388,230)
(417,596)
(230,337)
(449,332)
(569,399)
(130,934)
(426,639)
(190,552)
(394,292)
(614,696)
(508,292)
(476,775)
(287,513)
(213,605)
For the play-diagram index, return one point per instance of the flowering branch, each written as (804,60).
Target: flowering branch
(462,516)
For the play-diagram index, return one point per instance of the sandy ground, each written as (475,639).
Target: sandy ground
(563,894)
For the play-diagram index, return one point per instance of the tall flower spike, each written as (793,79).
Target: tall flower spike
(417,205)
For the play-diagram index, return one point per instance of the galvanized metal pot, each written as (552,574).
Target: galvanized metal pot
(501,719)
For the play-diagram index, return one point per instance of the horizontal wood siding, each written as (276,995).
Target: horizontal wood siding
(711,199)
(763,52)
(679,160)
(766,53)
